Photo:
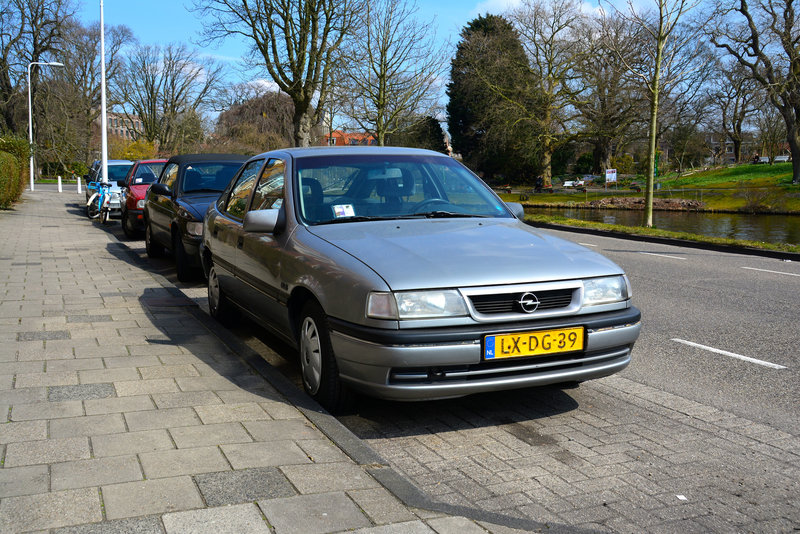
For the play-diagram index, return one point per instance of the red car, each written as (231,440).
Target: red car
(141,175)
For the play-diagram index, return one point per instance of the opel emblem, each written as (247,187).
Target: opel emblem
(528,302)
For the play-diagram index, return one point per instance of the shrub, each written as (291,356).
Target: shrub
(623,163)
(10,180)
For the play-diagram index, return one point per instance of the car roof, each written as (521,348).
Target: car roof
(184,159)
(162,160)
(304,152)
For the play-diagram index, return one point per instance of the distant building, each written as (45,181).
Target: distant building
(122,126)
(340,138)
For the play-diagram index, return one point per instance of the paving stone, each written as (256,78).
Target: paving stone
(132,499)
(455,525)
(46,410)
(225,413)
(58,378)
(50,510)
(313,514)
(95,472)
(145,387)
(42,335)
(90,425)
(282,430)
(13,368)
(247,485)
(107,350)
(75,364)
(322,450)
(80,392)
(23,431)
(168,371)
(131,361)
(131,443)
(246,455)
(47,451)
(136,525)
(118,404)
(108,375)
(224,520)
(410,527)
(171,463)
(23,396)
(205,435)
(185,399)
(381,506)
(205,383)
(167,418)
(28,480)
(314,478)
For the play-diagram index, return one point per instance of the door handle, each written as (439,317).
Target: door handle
(240,242)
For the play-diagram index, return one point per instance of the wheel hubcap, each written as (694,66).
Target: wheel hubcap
(310,355)
(213,291)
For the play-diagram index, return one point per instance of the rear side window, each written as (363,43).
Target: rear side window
(236,204)
(169,175)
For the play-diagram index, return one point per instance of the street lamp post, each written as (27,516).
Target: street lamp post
(30,107)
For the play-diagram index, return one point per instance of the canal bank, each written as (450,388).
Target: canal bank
(704,245)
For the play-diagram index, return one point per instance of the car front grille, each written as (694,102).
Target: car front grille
(509,302)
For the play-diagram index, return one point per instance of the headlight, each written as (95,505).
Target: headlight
(605,290)
(114,196)
(140,203)
(416,305)
(194,228)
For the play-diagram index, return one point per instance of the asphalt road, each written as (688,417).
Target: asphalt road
(734,303)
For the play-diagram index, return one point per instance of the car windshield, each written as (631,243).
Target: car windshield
(347,188)
(208,176)
(147,173)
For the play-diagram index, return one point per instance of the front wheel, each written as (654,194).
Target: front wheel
(219,307)
(91,211)
(318,363)
(127,226)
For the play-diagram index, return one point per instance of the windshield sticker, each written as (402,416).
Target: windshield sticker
(344,210)
(137,180)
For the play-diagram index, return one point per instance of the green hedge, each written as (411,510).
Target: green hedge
(11,183)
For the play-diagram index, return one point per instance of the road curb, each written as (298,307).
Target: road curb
(748,251)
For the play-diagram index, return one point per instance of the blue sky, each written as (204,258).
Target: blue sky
(166,21)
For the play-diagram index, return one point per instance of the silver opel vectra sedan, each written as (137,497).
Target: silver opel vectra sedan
(398,273)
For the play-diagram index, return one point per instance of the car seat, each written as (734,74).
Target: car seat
(312,200)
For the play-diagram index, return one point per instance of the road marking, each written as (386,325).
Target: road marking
(662,255)
(587,244)
(731,354)
(768,271)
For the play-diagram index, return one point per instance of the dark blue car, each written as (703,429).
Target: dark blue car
(175,205)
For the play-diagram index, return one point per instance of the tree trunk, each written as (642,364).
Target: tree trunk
(302,127)
(601,155)
(651,153)
(547,159)
(737,150)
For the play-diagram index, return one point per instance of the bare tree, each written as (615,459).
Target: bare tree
(764,37)
(30,31)
(72,103)
(548,31)
(668,46)
(395,70)
(295,39)
(734,97)
(162,87)
(771,131)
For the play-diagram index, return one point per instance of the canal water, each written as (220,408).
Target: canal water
(767,228)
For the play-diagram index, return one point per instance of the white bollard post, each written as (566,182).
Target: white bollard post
(79,185)
(60,190)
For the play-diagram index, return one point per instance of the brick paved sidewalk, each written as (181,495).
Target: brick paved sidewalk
(125,409)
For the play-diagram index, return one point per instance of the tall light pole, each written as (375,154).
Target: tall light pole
(103,113)
(30,107)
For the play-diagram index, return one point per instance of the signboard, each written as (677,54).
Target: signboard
(611,175)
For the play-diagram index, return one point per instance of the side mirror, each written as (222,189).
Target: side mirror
(261,221)
(160,189)
(121,183)
(517,209)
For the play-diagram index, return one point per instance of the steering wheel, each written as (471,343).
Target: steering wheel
(427,202)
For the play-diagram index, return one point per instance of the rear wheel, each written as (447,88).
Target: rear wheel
(91,210)
(318,363)
(154,250)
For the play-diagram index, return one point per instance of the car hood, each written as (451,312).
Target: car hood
(197,203)
(139,191)
(419,254)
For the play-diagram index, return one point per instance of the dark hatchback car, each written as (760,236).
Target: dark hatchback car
(175,205)
(134,188)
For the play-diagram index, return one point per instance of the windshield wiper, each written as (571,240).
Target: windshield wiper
(439,214)
(357,218)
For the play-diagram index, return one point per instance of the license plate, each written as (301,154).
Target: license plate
(537,343)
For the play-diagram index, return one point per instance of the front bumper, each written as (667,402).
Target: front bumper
(447,362)
(191,244)
(135,218)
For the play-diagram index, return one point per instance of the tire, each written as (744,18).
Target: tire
(127,227)
(219,307)
(154,250)
(318,363)
(104,216)
(182,264)
(92,211)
